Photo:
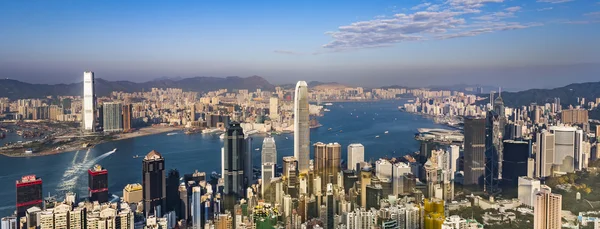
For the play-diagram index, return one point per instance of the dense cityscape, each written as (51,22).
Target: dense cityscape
(493,167)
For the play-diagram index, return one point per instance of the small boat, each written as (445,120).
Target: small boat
(114,150)
(386,132)
(136,156)
(329,128)
(326,110)
(173,133)
(341,131)
(286,138)
(328,104)
(29,151)
(257,149)
(377,136)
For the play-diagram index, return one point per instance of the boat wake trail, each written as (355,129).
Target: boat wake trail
(72,174)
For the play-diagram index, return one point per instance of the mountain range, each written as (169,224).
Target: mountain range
(15,89)
(568,95)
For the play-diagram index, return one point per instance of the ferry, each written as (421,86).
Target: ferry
(170,134)
(29,151)
(114,150)
(328,104)
(377,136)
(329,128)
(341,131)
(286,138)
(386,132)
(136,156)
(257,149)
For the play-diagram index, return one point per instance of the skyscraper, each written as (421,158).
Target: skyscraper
(98,184)
(327,162)
(494,134)
(544,156)
(112,117)
(356,154)
(127,116)
(301,126)
(29,194)
(269,151)
(197,207)
(516,158)
(173,192)
(547,210)
(234,154)
(154,182)
(268,173)
(567,150)
(274,107)
(474,155)
(89,102)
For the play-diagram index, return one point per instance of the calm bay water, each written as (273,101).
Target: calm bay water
(68,171)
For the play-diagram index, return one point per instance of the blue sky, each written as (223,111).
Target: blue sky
(510,43)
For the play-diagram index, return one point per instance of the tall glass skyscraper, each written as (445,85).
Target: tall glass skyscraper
(154,183)
(89,102)
(234,165)
(112,117)
(269,151)
(301,127)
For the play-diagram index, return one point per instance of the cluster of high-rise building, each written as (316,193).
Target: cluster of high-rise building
(503,148)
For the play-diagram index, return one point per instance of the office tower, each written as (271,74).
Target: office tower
(9,223)
(574,116)
(154,184)
(494,130)
(133,194)
(89,102)
(474,154)
(269,151)
(301,127)
(327,162)
(527,190)
(516,159)
(98,184)
(192,112)
(184,202)
(173,192)
(545,154)
(248,164)
(365,179)
(234,165)
(454,151)
(197,206)
(383,169)
(112,117)
(127,116)
(268,173)
(330,205)
(274,108)
(547,210)
(374,194)
(356,154)
(399,170)
(566,149)
(29,194)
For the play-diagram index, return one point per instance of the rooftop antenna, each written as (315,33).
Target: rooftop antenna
(499,91)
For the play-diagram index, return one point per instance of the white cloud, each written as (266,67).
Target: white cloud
(513,9)
(421,6)
(554,1)
(444,21)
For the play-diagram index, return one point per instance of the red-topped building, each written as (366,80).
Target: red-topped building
(98,184)
(29,194)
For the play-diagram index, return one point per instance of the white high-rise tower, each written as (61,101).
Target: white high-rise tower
(301,127)
(89,102)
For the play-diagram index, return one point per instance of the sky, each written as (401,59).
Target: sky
(509,43)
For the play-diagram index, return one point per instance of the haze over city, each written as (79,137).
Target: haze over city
(543,43)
